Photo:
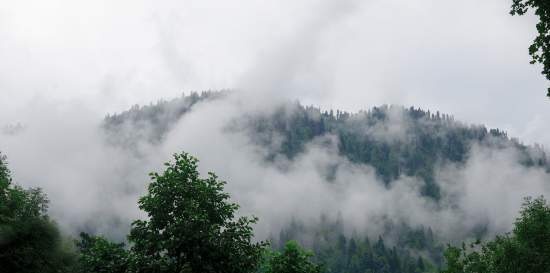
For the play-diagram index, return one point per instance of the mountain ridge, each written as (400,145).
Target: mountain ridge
(395,140)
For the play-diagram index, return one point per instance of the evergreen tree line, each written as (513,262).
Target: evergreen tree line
(191,226)
(425,139)
(339,253)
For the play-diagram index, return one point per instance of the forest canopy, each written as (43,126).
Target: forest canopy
(525,250)
(192,227)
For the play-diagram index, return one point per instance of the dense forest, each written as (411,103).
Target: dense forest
(192,226)
(419,141)
(186,220)
(415,250)
(396,141)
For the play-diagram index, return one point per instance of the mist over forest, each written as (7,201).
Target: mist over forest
(276,137)
(417,178)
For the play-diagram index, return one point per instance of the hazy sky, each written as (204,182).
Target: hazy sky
(64,64)
(468,58)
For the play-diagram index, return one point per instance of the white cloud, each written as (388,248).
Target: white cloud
(66,63)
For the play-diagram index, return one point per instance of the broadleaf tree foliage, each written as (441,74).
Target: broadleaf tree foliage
(97,254)
(540,48)
(292,259)
(29,240)
(191,225)
(525,250)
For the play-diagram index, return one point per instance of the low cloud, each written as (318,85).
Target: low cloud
(94,186)
(350,54)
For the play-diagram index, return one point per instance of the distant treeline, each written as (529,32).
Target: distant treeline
(191,226)
(393,139)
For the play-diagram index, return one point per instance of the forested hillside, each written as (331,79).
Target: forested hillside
(409,250)
(151,122)
(395,140)
(192,225)
(353,136)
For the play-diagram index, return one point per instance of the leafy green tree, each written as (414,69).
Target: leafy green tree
(29,240)
(98,255)
(540,49)
(525,250)
(191,225)
(293,259)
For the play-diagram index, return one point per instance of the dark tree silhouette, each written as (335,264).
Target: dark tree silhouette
(540,49)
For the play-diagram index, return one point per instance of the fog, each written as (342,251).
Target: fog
(66,64)
(467,58)
(94,186)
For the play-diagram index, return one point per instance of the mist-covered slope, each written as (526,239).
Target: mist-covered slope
(382,190)
(394,140)
(151,122)
(385,186)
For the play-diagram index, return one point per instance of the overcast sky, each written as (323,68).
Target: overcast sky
(467,58)
(64,64)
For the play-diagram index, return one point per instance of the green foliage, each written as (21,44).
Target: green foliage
(98,255)
(293,259)
(339,253)
(191,225)
(526,250)
(29,240)
(540,48)
(426,139)
(5,177)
